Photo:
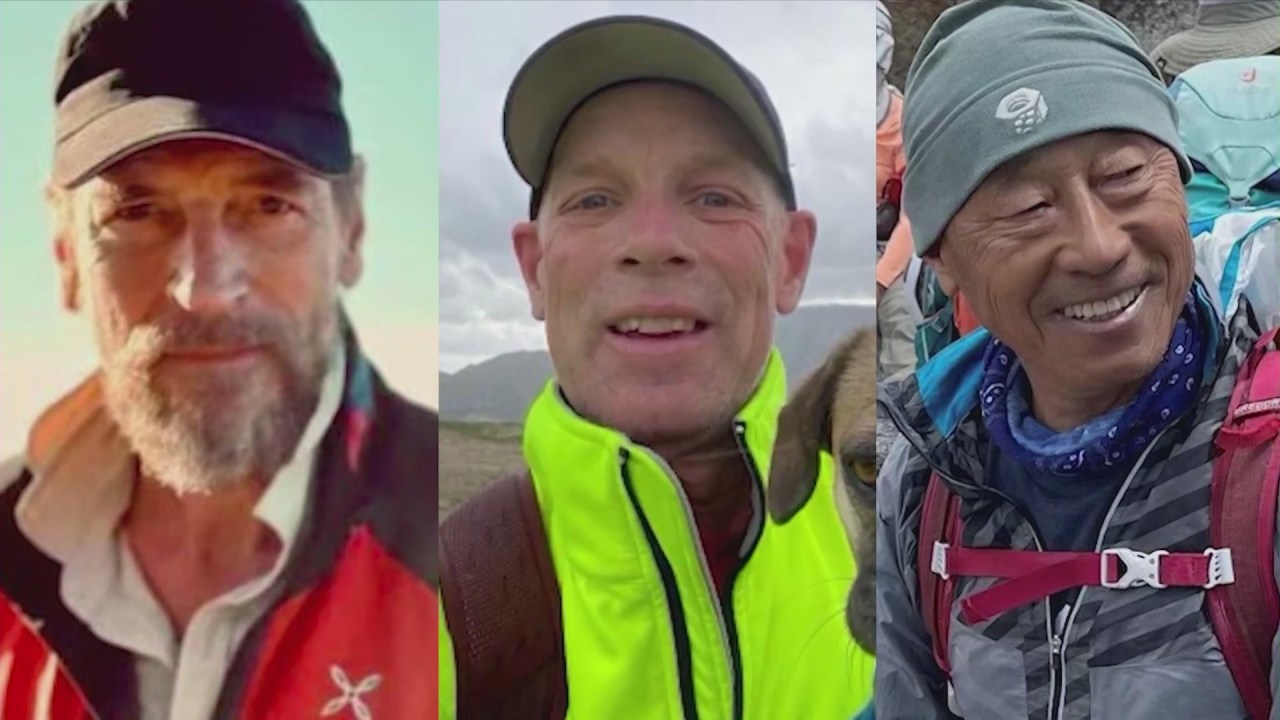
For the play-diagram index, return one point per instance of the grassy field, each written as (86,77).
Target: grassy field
(471,456)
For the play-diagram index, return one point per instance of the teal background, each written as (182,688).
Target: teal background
(386,52)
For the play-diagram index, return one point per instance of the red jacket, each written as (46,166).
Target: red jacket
(354,634)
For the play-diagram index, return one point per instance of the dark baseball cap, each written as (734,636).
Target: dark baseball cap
(577,64)
(135,73)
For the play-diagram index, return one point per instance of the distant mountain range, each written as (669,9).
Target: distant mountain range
(500,389)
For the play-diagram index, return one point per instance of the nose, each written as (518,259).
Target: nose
(1099,242)
(209,275)
(653,240)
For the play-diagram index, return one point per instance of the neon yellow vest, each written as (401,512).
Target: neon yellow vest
(645,634)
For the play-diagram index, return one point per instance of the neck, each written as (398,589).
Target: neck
(1063,411)
(193,547)
(711,469)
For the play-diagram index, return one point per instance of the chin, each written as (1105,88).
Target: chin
(661,416)
(1126,367)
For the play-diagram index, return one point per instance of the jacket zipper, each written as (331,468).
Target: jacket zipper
(1059,632)
(726,619)
(679,630)
(1058,705)
(1056,709)
(754,530)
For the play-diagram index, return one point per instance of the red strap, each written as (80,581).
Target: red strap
(892,192)
(1246,490)
(939,521)
(1034,575)
(1246,483)
(1254,414)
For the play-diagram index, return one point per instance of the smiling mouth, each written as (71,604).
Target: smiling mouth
(657,328)
(1103,310)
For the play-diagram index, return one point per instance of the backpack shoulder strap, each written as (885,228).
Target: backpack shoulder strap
(939,523)
(1245,485)
(502,603)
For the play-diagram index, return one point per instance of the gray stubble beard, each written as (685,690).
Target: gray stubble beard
(214,432)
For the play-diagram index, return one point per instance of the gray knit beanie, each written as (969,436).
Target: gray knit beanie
(995,79)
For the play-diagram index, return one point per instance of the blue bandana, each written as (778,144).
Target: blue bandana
(1104,443)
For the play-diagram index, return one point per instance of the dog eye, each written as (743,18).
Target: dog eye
(864,469)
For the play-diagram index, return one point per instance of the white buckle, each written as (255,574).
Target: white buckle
(1139,568)
(1222,571)
(939,563)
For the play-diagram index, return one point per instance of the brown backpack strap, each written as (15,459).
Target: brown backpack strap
(1246,483)
(939,522)
(502,603)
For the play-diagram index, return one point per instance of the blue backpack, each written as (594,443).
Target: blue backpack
(1229,123)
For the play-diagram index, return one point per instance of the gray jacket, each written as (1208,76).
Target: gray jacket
(1135,654)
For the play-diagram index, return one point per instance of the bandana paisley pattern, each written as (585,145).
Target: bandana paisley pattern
(1107,442)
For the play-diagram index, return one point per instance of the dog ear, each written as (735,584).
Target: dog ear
(804,430)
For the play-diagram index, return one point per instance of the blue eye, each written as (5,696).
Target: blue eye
(714,199)
(594,201)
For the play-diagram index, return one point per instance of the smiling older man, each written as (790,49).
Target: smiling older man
(663,240)
(187,523)
(1059,522)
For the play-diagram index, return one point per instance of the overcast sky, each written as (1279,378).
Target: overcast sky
(816,59)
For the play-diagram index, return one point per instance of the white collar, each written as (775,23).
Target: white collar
(83,471)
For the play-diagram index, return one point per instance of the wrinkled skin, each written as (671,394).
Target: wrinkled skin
(1079,220)
(659,205)
(211,273)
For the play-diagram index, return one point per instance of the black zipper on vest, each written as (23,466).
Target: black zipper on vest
(684,657)
(754,531)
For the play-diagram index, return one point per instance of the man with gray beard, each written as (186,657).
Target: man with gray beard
(186,525)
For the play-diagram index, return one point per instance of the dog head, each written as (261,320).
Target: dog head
(834,410)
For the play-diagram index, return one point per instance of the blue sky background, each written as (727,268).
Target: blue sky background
(386,52)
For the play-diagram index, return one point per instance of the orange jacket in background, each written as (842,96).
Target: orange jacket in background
(891,162)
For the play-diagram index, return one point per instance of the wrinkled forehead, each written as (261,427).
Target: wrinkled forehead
(609,123)
(190,161)
(1069,154)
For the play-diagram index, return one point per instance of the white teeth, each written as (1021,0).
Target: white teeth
(1088,311)
(655,326)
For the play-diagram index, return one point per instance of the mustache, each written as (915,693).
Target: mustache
(179,332)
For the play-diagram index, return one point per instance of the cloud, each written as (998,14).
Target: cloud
(817,60)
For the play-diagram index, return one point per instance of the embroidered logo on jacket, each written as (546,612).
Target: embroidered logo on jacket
(350,694)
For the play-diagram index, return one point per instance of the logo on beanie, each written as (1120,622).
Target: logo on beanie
(1025,107)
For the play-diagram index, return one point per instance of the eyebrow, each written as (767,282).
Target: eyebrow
(282,178)
(124,193)
(590,168)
